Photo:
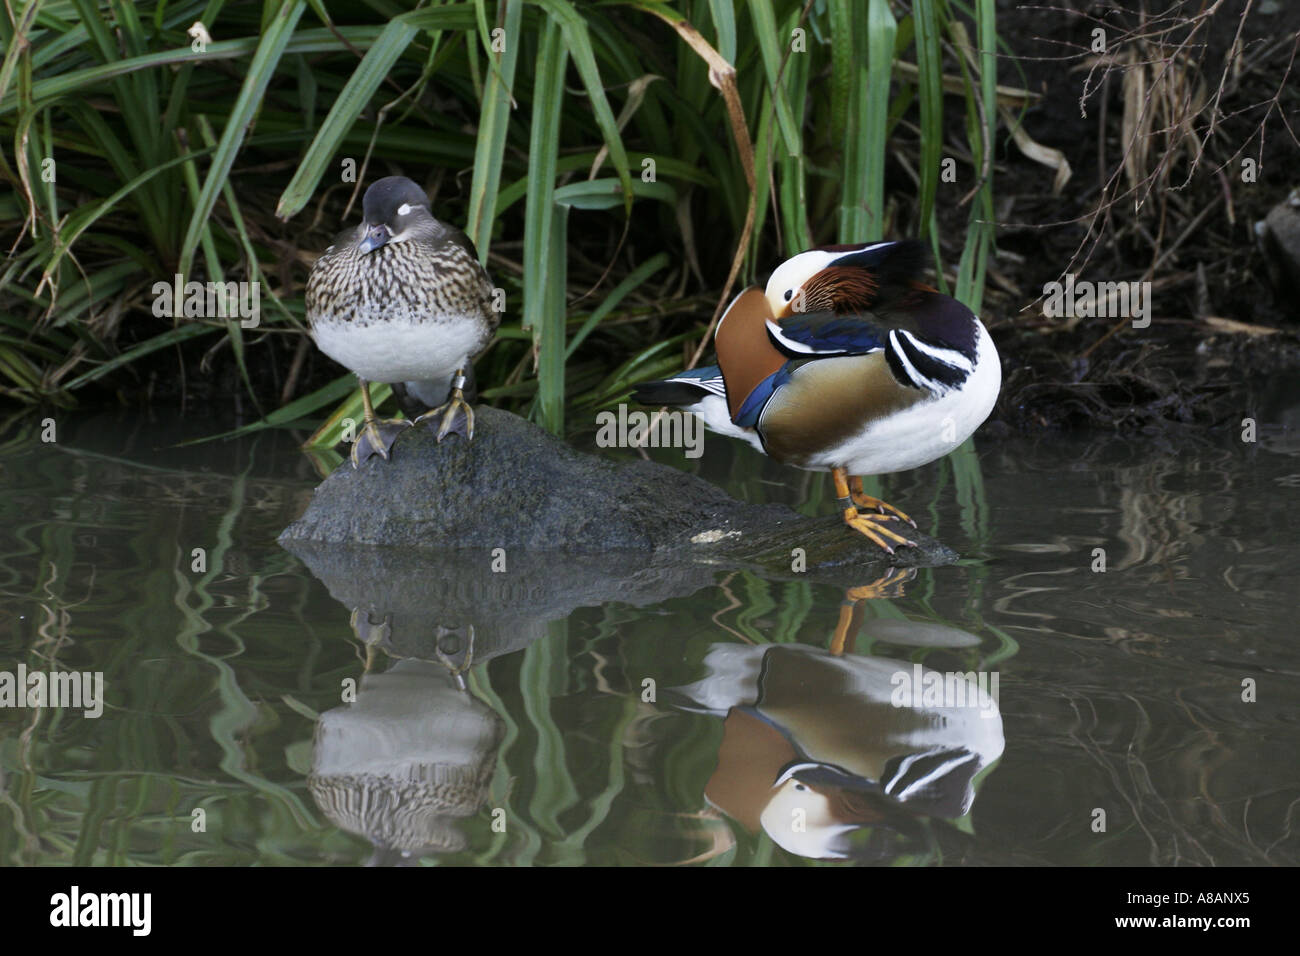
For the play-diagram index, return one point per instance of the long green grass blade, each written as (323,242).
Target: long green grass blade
(865,142)
(301,408)
(492,129)
(724,22)
(980,234)
(929,64)
(770,48)
(15,50)
(844,66)
(608,193)
(793,181)
(616,295)
(354,97)
(274,41)
(577,41)
(542,275)
(94,78)
(551,354)
(667,165)
(179,334)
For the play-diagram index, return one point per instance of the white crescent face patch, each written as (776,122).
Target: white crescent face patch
(790,276)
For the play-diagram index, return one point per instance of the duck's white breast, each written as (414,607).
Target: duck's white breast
(401,351)
(925,431)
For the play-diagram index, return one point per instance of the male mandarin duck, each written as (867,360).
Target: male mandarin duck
(402,298)
(846,363)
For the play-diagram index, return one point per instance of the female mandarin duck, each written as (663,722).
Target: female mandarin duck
(847,363)
(402,298)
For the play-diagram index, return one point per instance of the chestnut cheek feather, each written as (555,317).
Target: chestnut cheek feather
(838,288)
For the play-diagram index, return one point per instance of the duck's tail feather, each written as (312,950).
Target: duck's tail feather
(668,392)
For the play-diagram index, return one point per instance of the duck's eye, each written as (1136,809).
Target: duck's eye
(403,209)
(789,294)
(800,787)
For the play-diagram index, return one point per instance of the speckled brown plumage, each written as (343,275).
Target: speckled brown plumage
(402,298)
(420,280)
(432,279)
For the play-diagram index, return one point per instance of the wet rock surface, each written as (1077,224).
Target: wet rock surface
(518,488)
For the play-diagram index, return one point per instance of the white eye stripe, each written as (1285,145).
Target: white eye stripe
(403,209)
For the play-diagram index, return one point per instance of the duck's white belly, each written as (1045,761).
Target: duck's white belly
(400,351)
(924,432)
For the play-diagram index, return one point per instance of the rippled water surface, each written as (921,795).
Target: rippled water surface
(264,707)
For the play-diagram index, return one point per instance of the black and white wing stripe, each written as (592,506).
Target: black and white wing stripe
(923,365)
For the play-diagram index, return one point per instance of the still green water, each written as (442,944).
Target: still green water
(255,714)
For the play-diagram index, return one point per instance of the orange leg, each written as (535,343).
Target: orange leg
(850,621)
(863,500)
(846,628)
(889,586)
(870,525)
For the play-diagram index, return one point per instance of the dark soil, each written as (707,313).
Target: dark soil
(1180,370)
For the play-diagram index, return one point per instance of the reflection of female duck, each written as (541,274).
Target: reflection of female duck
(409,758)
(813,748)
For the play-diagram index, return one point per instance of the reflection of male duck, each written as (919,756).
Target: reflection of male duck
(402,764)
(813,749)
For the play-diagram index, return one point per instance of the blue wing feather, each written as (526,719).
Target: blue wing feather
(826,333)
(748,415)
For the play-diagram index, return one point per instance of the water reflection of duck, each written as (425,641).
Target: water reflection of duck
(814,750)
(414,754)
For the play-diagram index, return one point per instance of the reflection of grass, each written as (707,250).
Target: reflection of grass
(237,713)
(552,805)
(198,666)
(542,677)
(180,730)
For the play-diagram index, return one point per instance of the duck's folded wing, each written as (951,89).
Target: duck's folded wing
(811,334)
